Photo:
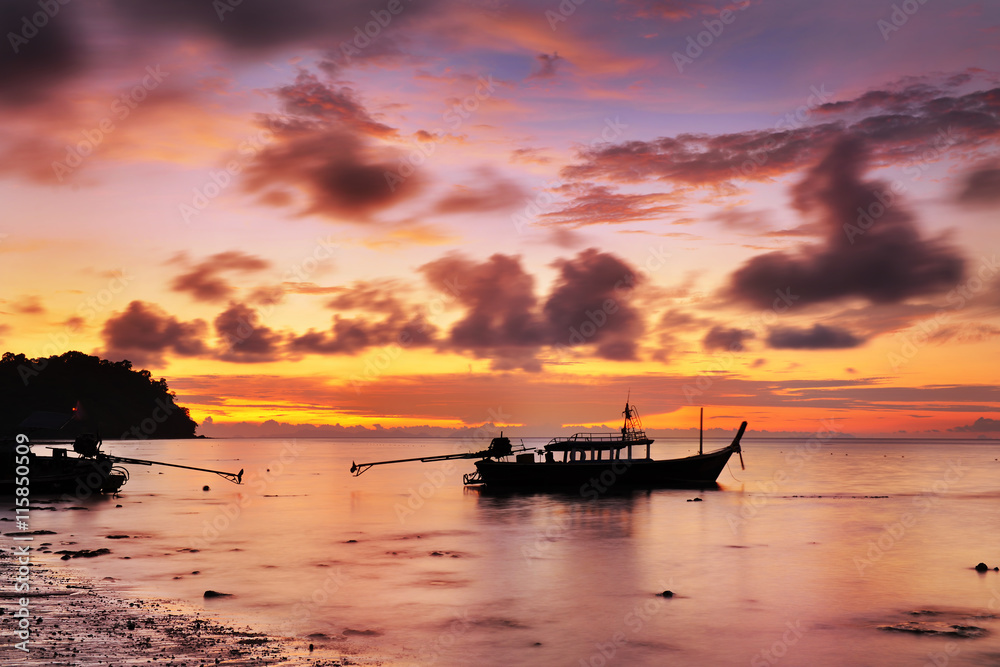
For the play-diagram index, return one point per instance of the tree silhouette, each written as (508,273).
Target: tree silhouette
(113,399)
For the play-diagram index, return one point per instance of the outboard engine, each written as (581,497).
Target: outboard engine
(499,447)
(86,445)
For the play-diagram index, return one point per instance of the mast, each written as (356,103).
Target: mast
(701,430)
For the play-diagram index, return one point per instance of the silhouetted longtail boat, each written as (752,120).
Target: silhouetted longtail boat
(91,472)
(589,462)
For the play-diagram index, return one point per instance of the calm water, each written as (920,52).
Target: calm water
(787,563)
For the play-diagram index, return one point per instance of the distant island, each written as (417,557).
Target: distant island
(107,396)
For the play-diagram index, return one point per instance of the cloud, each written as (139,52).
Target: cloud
(402,324)
(599,204)
(819,337)
(490,193)
(350,335)
(339,173)
(29,304)
(310,97)
(872,250)
(670,10)
(243,338)
(589,305)
(724,338)
(981,425)
(144,332)
(35,59)
(546,66)
(501,320)
(981,186)
(252,25)
(203,281)
(896,125)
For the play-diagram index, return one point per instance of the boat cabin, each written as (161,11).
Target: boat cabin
(598,446)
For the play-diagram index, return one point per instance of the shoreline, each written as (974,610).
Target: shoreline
(77,620)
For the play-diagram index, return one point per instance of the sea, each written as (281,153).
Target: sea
(820,552)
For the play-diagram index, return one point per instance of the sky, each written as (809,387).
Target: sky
(447,213)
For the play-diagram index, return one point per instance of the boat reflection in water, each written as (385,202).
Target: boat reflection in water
(588,462)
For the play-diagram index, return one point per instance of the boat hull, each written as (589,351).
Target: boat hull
(79,477)
(593,476)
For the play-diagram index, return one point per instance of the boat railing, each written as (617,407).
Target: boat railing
(629,436)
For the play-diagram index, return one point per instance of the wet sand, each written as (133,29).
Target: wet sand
(76,621)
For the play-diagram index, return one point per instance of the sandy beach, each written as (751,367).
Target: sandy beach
(78,621)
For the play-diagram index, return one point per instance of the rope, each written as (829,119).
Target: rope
(733,474)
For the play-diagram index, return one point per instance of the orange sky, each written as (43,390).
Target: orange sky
(483,213)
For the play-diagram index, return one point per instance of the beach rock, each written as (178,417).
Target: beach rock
(82,553)
(116,537)
(216,594)
(982,567)
(206,488)
(667,594)
(937,629)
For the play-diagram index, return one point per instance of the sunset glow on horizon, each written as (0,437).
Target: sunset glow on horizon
(465,212)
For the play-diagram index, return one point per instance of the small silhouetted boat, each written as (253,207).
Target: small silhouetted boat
(589,462)
(90,472)
(57,472)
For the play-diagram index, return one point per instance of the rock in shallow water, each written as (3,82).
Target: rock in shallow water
(937,629)
(216,594)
